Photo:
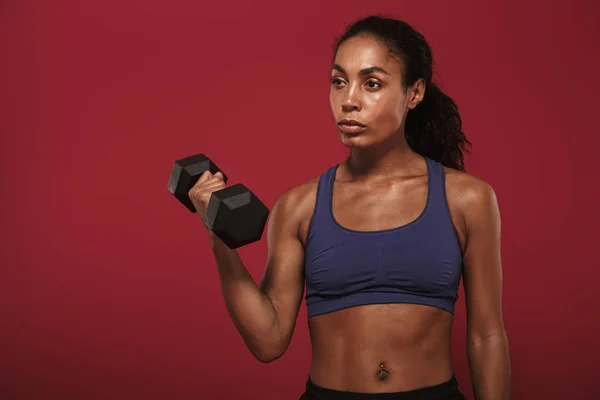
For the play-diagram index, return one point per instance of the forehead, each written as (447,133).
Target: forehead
(361,52)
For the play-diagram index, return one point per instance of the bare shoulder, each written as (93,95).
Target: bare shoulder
(473,196)
(466,188)
(297,202)
(300,194)
(298,197)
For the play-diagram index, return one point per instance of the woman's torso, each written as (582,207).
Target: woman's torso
(346,225)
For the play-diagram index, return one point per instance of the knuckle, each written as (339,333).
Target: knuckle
(194,193)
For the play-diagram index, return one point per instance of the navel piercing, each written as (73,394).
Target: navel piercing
(383,373)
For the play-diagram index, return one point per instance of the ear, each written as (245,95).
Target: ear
(416,93)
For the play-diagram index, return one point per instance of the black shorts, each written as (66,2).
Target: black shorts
(444,391)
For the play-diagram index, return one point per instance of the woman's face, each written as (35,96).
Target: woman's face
(367,99)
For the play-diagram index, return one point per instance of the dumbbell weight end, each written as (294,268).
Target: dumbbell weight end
(236,216)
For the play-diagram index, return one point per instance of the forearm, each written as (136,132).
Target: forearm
(489,362)
(250,309)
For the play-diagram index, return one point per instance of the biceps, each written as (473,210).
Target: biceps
(283,278)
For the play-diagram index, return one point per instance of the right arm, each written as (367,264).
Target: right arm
(265,314)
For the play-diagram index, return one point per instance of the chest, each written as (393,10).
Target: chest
(419,258)
(394,234)
(384,206)
(378,206)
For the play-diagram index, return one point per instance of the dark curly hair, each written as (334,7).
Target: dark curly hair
(433,128)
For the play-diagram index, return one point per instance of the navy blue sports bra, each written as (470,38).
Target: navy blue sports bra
(419,262)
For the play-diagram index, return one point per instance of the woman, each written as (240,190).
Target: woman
(381,240)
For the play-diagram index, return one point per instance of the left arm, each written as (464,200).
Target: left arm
(487,343)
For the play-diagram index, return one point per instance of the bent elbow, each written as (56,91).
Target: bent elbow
(266,359)
(268,355)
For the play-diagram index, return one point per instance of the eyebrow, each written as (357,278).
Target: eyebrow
(364,71)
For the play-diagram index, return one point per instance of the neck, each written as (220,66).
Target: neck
(384,161)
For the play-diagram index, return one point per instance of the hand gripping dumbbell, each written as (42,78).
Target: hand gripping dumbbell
(234,213)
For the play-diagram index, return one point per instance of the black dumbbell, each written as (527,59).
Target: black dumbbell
(234,213)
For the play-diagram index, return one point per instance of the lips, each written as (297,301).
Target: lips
(351,126)
(351,122)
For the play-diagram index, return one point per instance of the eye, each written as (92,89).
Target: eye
(373,84)
(337,81)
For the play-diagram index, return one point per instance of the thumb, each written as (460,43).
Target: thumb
(219,174)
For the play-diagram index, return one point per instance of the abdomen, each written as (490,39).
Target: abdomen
(411,342)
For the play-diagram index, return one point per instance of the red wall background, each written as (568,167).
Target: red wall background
(108,286)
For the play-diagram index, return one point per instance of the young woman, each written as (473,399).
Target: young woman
(381,240)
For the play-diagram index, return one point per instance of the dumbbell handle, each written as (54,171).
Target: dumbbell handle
(185,174)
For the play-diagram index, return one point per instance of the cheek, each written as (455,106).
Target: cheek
(388,111)
(334,102)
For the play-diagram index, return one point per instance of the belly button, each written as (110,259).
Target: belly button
(383,373)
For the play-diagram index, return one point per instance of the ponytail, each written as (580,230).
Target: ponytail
(434,129)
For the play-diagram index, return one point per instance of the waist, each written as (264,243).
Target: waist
(437,391)
(375,372)
(391,347)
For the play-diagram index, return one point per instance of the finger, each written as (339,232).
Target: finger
(213,186)
(206,175)
(212,182)
(214,179)
(219,174)
(208,187)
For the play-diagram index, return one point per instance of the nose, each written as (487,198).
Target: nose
(350,100)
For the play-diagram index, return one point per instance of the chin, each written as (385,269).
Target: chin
(357,141)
